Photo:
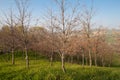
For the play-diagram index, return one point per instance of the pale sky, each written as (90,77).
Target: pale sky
(107,11)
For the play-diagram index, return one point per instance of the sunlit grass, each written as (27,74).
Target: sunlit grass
(40,69)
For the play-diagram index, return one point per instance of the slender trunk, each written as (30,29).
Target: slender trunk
(95,59)
(90,58)
(89,43)
(71,60)
(86,60)
(110,63)
(13,59)
(63,63)
(103,64)
(78,58)
(83,57)
(89,47)
(35,54)
(27,58)
(51,59)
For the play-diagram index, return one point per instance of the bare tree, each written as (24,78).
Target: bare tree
(65,24)
(86,23)
(52,36)
(10,21)
(24,18)
(49,21)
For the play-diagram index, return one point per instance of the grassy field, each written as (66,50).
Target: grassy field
(40,69)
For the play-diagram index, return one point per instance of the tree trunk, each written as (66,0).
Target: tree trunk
(90,58)
(63,63)
(86,60)
(83,57)
(51,59)
(13,59)
(103,64)
(95,59)
(71,60)
(27,58)
(110,61)
(78,58)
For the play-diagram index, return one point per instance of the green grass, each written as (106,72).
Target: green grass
(40,69)
(116,60)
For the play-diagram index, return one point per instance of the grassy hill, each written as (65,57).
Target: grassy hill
(40,69)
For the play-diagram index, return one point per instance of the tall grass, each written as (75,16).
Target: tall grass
(40,69)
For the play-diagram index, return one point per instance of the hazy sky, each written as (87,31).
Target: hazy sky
(107,11)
